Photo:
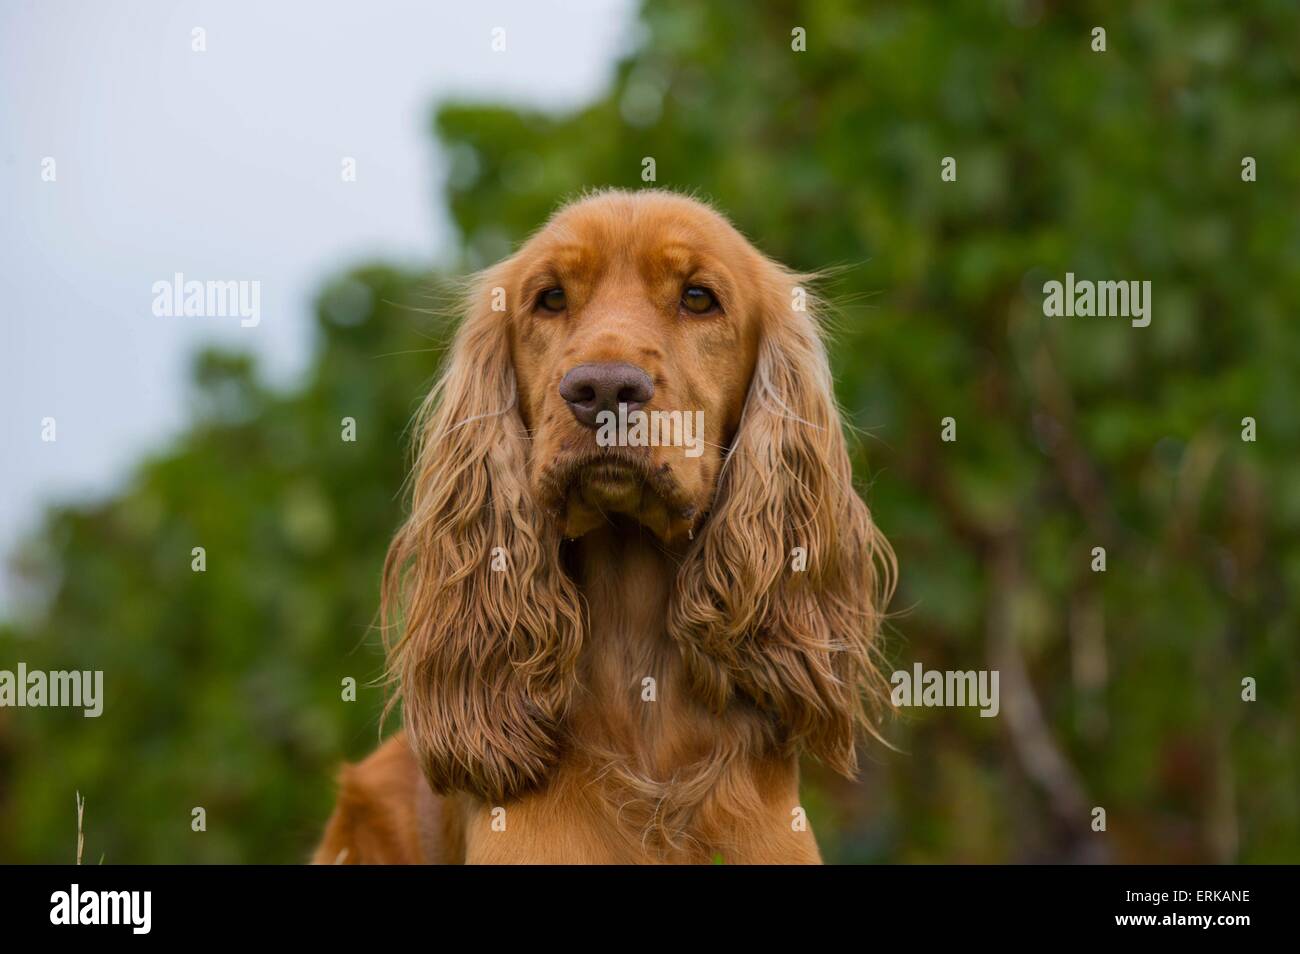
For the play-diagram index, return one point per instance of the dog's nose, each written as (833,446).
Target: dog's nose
(589,389)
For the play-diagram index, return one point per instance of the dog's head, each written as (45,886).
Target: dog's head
(637,360)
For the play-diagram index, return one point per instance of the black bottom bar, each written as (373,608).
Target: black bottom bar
(381,905)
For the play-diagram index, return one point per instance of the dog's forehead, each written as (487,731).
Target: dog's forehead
(669,231)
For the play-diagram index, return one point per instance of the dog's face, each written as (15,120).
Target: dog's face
(642,314)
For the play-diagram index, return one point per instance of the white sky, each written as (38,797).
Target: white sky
(222,165)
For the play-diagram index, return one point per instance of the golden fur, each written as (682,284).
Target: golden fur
(523,688)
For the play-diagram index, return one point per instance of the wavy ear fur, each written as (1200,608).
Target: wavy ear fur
(796,644)
(486,658)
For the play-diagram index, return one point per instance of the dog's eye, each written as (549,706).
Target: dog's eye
(552,299)
(698,301)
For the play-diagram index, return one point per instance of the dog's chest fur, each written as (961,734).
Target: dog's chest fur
(649,774)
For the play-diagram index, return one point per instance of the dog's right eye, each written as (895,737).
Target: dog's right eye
(552,299)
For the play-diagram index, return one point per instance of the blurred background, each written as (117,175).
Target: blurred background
(1120,689)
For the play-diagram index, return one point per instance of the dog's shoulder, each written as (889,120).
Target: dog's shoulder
(386,814)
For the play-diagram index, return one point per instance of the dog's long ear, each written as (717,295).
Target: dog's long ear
(780,599)
(490,625)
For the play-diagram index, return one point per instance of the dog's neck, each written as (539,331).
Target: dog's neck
(656,752)
(629,665)
(634,693)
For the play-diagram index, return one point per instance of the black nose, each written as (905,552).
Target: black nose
(591,388)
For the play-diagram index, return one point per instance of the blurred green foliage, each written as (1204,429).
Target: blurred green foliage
(223,687)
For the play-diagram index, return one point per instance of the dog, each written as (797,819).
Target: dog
(609,651)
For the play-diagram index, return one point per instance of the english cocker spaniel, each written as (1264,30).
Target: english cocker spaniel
(636,582)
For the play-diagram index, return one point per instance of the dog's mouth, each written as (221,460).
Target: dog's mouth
(584,490)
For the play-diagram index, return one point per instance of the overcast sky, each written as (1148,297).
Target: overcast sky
(223,164)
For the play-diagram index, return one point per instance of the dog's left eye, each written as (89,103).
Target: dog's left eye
(552,299)
(698,301)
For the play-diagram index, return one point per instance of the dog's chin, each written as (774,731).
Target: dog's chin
(587,491)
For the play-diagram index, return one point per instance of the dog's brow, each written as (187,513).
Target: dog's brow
(678,256)
(571,257)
